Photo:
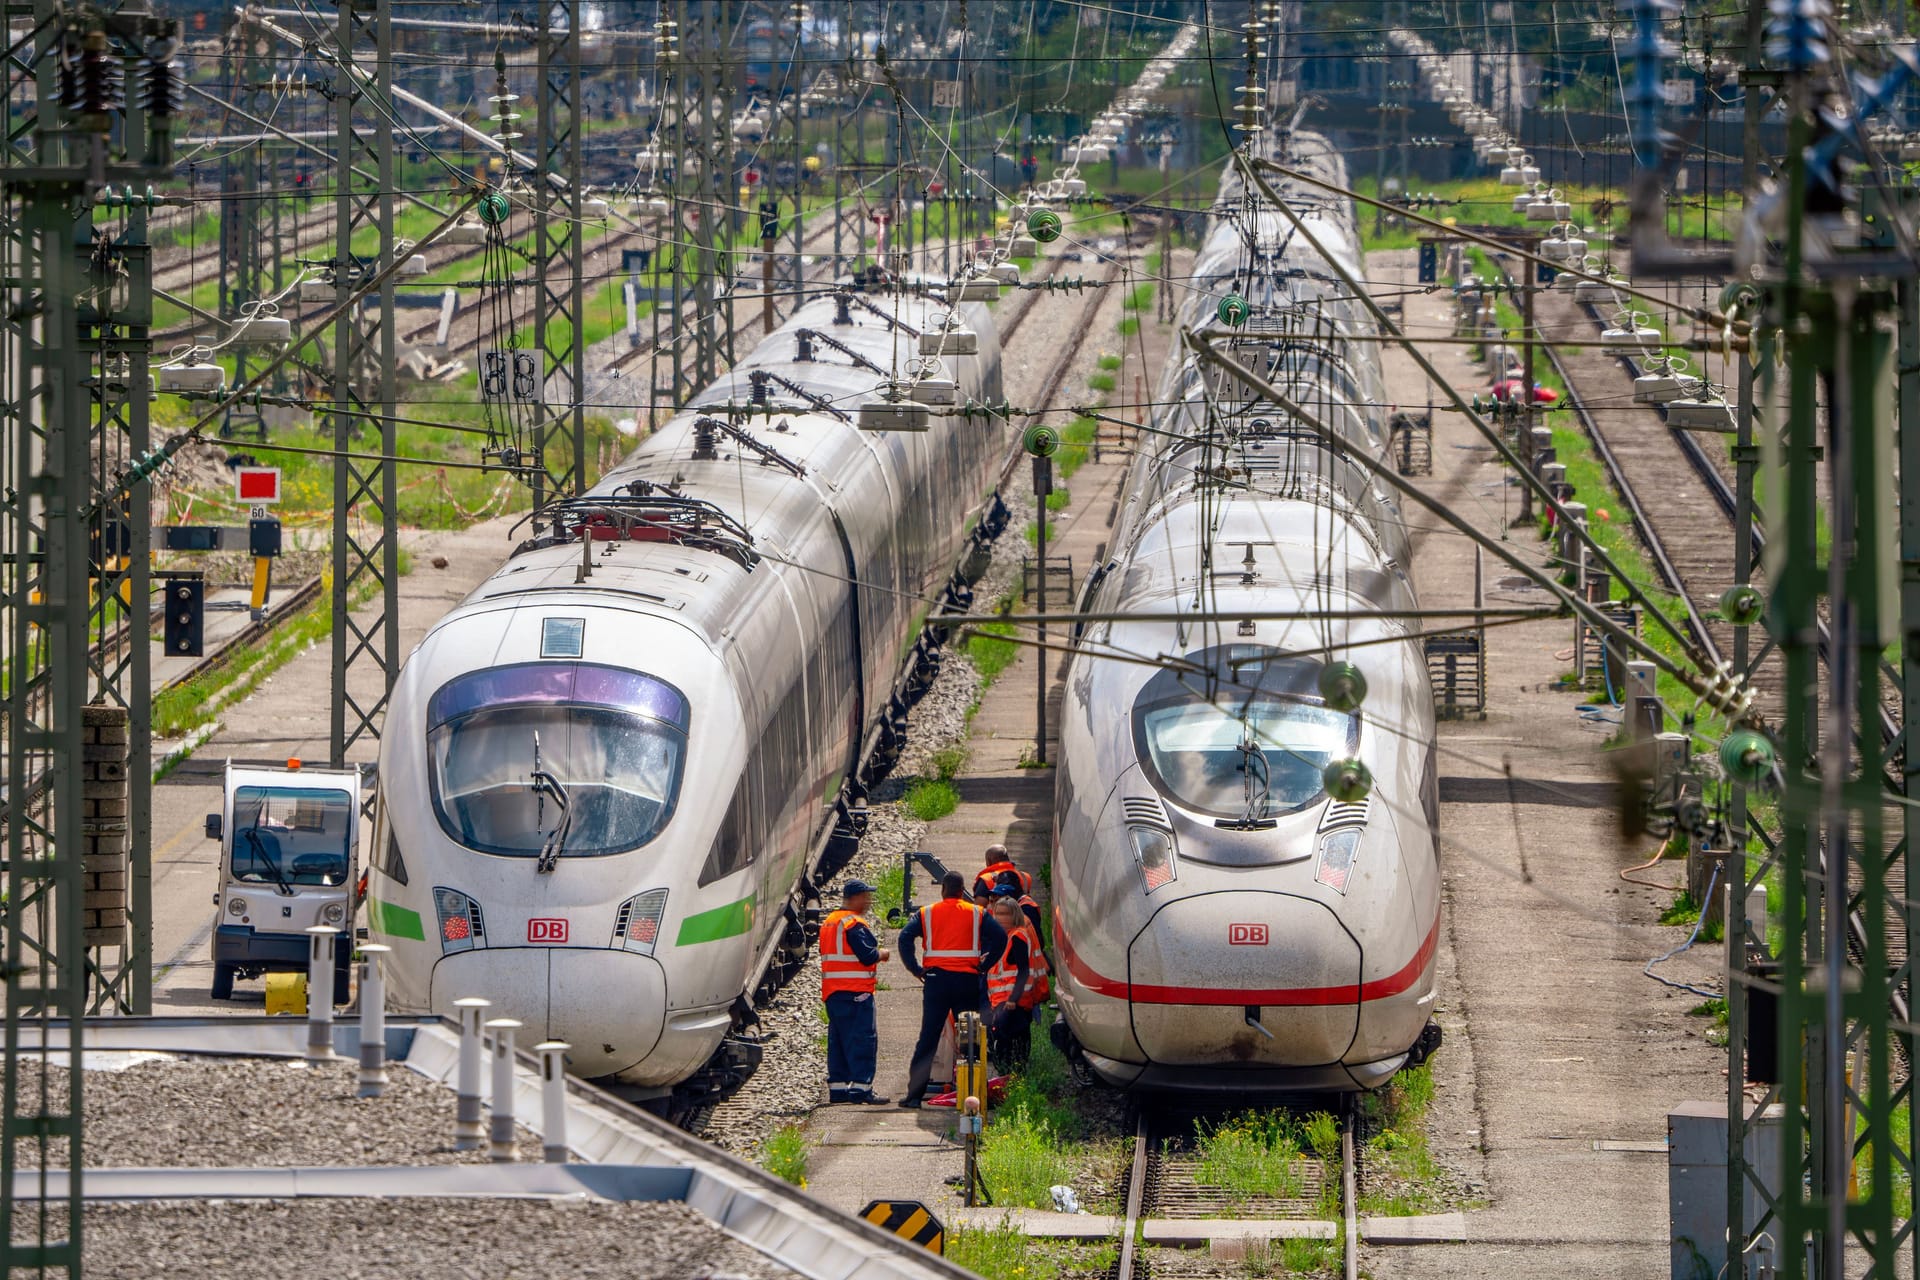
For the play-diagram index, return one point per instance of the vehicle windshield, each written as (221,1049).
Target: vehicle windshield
(291,835)
(613,740)
(1247,744)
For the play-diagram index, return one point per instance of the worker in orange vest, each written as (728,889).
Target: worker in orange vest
(959,940)
(1008,883)
(998,864)
(1016,984)
(850,959)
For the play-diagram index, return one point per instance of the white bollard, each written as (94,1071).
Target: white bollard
(505,1146)
(320,944)
(553,1099)
(468,1132)
(373,1020)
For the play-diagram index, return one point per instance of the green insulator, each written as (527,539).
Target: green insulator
(1041,440)
(1747,757)
(1044,225)
(1742,605)
(494,208)
(1233,310)
(1342,685)
(1347,781)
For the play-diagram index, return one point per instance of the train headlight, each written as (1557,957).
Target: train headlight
(237,906)
(637,926)
(334,913)
(1153,849)
(461,928)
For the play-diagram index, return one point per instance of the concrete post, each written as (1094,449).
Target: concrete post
(467,1129)
(553,1099)
(373,1020)
(320,945)
(503,1145)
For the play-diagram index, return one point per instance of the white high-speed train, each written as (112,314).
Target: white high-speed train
(607,774)
(1223,923)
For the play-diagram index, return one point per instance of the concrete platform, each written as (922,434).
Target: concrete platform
(1197,1233)
(1428,1228)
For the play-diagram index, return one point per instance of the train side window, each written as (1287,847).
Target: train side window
(386,846)
(733,847)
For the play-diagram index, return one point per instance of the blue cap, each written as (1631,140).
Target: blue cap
(1006,891)
(855,886)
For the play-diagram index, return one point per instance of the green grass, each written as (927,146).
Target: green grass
(785,1153)
(1402,1175)
(949,761)
(1129,326)
(989,653)
(931,799)
(1256,1153)
(1292,1258)
(1110,363)
(1021,1157)
(1101,382)
(1059,499)
(1682,910)
(1004,1252)
(889,891)
(1139,298)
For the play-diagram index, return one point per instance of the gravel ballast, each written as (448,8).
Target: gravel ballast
(492,1238)
(257,1112)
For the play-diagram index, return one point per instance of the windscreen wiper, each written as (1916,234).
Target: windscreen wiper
(546,785)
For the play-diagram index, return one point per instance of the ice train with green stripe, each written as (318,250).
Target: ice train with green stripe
(612,776)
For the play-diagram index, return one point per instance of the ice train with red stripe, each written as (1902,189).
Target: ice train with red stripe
(1222,923)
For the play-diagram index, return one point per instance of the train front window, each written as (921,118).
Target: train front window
(1246,742)
(560,758)
(291,836)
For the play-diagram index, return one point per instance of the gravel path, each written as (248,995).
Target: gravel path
(259,1112)
(258,1240)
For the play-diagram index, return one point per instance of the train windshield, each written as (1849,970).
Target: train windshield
(555,758)
(1246,742)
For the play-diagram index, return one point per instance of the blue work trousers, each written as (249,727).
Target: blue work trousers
(945,994)
(853,1042)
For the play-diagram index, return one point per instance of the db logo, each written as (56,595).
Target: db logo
(1247,935)
(556,931)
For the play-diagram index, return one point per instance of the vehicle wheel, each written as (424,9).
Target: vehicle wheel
(223,982)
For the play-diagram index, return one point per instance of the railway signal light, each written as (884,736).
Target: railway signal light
(186,612)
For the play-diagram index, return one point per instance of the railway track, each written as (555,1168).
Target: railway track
(1687,534)
(1166,1181)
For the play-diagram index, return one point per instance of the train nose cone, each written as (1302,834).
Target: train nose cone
(1261,978)
(610,1006)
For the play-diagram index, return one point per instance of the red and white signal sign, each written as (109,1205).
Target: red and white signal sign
(547,930)
(256,486)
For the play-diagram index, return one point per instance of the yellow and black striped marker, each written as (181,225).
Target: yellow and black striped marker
(909,1219)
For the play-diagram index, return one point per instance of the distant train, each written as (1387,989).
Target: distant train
(1222,923)
(608,773)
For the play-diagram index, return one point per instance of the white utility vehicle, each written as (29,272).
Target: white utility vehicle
(289,854)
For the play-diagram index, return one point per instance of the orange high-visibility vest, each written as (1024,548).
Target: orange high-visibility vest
(950,931)
(992,871)
(1001,977)
(840,969)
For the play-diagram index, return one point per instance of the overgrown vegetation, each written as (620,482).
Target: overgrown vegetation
(1261,1153)
(1038,1136)
(785,1153)
(989,652)
(931,799)
(1004,1252)
(1402,1177)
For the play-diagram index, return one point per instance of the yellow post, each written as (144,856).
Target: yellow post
(287,994)
(262,580)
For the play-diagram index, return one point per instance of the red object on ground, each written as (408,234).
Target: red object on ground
(996,1094)
(1510,389)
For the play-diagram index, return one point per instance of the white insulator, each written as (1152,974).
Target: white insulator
(1598,292)
(976,290)
(1910,147)
(1563,246)
(893,415)
(1529,171)
(1024,247)
(1005,272)
(414,265)
(593,207)
(1075,186)
(205,378)
(318,291)
(1540,209)
(1631,330)
(658,206)
(1664,386)
(1700,415)
(465,233)
(935,391)
(956,341)
(263,331)
(1510,177)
